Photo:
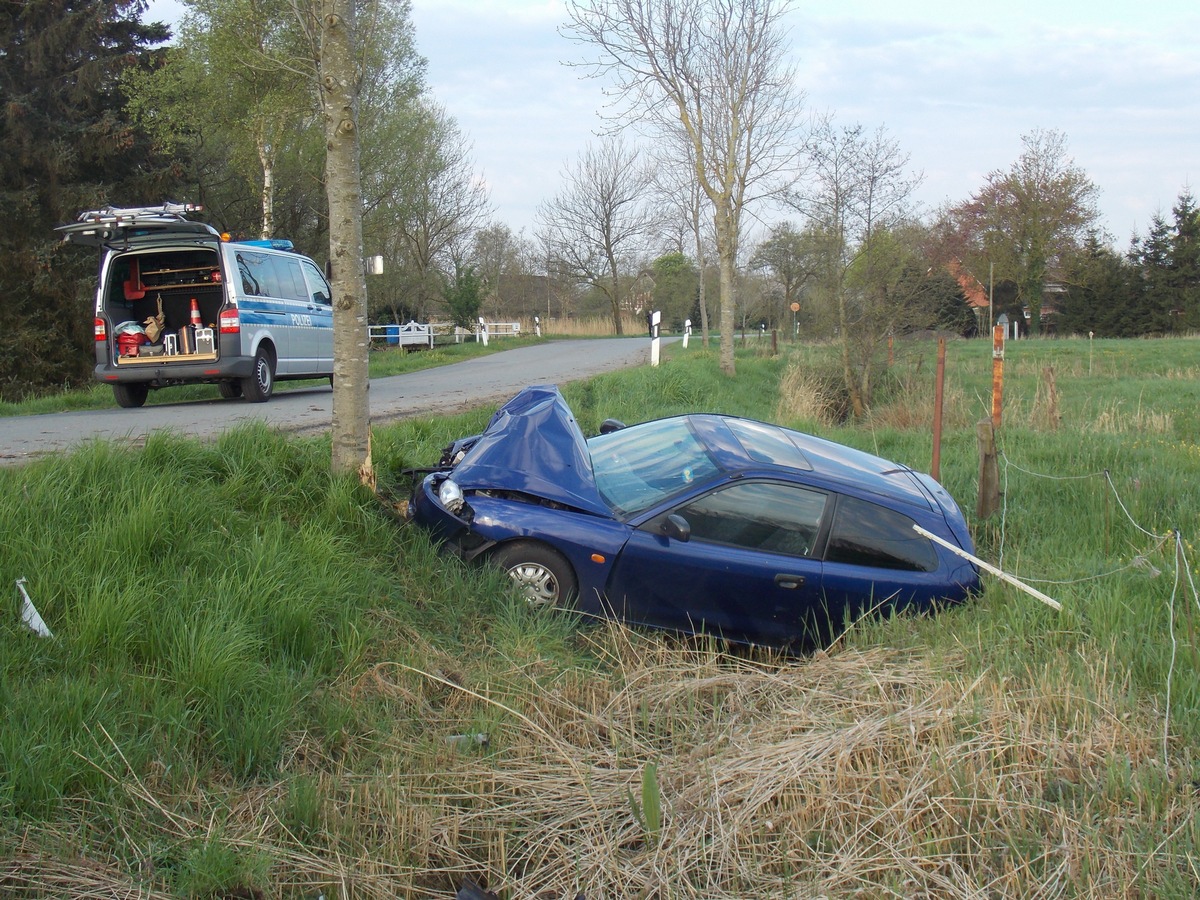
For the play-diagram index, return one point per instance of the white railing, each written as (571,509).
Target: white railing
(415,334)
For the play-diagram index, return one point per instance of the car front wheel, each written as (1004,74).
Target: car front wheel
(542,574)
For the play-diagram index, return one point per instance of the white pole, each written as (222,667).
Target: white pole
(1004,576)
(29,614)
(654,340)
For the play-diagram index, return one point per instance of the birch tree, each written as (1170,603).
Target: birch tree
(712,73)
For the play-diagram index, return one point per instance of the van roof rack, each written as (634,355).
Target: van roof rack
(138,215)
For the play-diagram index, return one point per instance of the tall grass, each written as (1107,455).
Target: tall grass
(261,685)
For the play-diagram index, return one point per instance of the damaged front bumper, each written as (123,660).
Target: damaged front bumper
(450,529)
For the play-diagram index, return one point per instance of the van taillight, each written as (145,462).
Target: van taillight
(229,322)
(101,330)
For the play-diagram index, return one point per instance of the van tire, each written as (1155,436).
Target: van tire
(230,390)
(131,396)
(258,387)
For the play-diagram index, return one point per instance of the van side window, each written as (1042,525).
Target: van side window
(250,284)
(321,294)
(289,281)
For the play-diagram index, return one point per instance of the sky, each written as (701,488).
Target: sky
(955,84)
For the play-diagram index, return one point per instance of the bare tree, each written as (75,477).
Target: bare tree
(681,196)
(600,220)
(859,191)
(435,204)
(712,73)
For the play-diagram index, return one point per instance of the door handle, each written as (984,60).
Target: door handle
(789,582)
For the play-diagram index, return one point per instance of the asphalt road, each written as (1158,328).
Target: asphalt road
(475,382)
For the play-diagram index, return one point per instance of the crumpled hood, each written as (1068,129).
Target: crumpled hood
(533,445)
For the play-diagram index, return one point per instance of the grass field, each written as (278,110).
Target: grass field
(261,685)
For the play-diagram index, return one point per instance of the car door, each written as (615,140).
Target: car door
(876,563)
(320,307)
(745,570)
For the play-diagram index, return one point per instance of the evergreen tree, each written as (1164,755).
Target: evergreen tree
(1102,294)
(67,146)
(1184,278)
(1157,304)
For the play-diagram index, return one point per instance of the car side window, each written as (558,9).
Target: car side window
(866,534)
(317,284)
(758,515)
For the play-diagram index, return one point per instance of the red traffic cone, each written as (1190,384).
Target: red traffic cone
(196,313)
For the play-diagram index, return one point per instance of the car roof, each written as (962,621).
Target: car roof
(740,445)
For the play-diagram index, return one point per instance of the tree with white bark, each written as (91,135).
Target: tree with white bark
(712,73)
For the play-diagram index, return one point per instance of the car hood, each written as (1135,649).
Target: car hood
(533,445)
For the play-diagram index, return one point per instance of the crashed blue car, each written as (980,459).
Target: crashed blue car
(700,523)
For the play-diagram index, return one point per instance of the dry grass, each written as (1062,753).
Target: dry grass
(805,397)
(586,326)
(1114,419)
(859,772)
(872,773)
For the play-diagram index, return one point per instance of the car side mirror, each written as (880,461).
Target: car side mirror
(608,426)
(677,528)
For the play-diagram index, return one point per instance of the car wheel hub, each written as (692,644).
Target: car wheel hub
(536,582)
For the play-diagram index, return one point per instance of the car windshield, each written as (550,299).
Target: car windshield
(637,467)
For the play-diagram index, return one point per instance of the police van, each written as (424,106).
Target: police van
(178,303)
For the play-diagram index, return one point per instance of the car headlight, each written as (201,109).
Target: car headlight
(450,495)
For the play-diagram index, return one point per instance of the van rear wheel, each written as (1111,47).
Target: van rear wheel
(230,390)
(131,396)
(258,387)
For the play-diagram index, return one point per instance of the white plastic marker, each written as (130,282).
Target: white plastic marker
(29,614)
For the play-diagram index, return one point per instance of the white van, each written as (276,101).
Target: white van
(178,303)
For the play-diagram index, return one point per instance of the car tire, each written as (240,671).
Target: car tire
(131,396)
(258,387)
(230,390)
(541,573)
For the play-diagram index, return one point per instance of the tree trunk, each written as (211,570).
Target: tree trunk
(727,243)
(267,161)
(351,431)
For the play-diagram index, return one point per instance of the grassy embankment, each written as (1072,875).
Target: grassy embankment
(260,685)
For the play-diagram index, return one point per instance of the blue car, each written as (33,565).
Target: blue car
(746,531)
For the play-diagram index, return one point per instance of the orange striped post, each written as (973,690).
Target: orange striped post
(997,373)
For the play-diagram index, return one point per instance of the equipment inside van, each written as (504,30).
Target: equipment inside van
(178,303)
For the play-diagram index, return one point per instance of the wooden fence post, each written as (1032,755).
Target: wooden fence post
(989,471)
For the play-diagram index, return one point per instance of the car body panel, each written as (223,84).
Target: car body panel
(765,535)
(533,445)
